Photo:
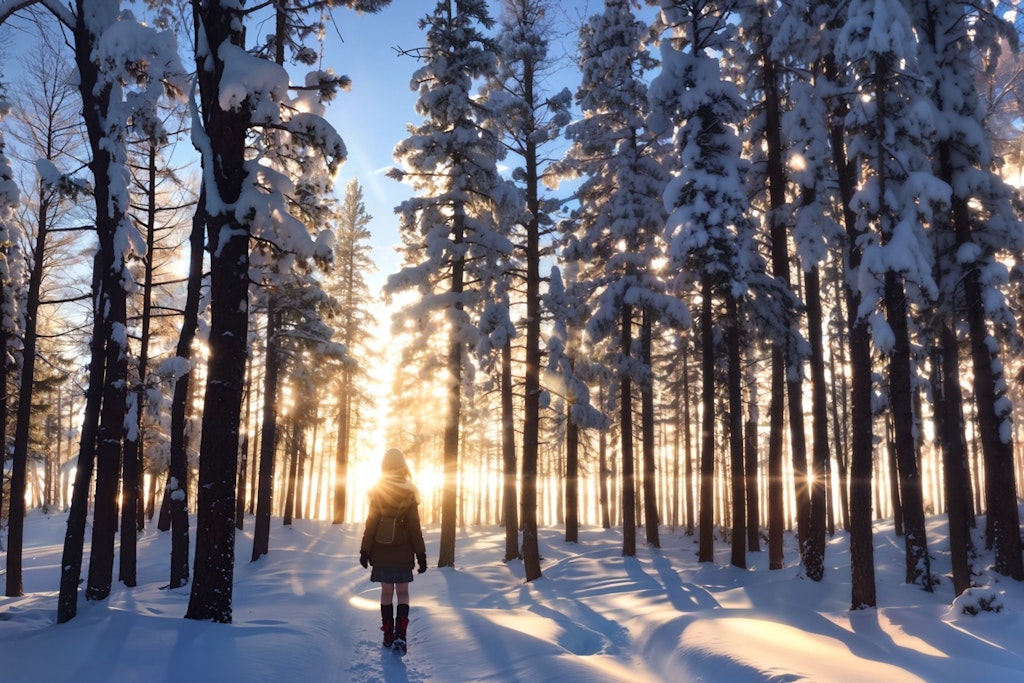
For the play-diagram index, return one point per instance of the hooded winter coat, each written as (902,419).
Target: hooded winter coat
(394,496)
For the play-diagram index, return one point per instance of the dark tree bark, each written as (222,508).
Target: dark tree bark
(687,442)
(532,341)
(243,472)
(74,536)
(894,479)
(750,451)
(993,414)
(840,414)
(5,376)
(776,490)
(603,474)
(862,551)
(911,496)
(628,502)
(268,439)
(651,517)
(453,390)
(814,558)
(572,479)
(225,133)
(254,445)
(341,449)
(737,473)
(23,426)
(112,309)
(176,490)
(509,496)
(110,444)
(862,563)
(798,449)
(291,486)
(948,402)
(706,546)
(783,356)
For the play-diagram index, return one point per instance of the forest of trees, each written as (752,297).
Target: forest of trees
(756,270)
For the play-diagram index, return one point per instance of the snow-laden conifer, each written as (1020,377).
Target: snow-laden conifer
(451,229)
(530,120)
(972,243)
(709,235)
(615,233)
(891,126)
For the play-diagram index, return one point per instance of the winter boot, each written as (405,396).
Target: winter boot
(401,624)
(389,631)
(387,624)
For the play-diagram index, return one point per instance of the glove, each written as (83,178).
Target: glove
(364,558)
(422,560)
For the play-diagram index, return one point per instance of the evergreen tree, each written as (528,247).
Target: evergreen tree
(120,78)
(246,199)
(980,230)
(708,233)
(352,314)
(889,134)
(451,247)
(616,230)
(762,74)
(815,230)
(531,121)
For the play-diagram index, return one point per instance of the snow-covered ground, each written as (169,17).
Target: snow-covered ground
(307,613)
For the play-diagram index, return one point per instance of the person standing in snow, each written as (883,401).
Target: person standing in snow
(392,538)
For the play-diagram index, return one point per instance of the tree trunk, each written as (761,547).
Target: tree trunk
(603,475)
(5,376)
(776,490)
(176,491)
(109,449)
(750,470)
(509,497)
(23,426)
(911,497)
(948,401)
(894,479)
(688,484)
(706,551)
(651,516)
(628,501)
(453,390)
(840,422)
(862,567)
(737,473)
(291,485)
(224,161)
(572,479)
(994,418)
(341,451)
(268,438)
(74,536)
(783,356)
(243,474)
(814,558)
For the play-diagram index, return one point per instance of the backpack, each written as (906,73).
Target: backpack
(390,531)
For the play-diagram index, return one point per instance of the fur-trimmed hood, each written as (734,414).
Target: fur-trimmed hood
(393,494)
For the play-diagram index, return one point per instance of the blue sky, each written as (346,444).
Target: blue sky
(372,117)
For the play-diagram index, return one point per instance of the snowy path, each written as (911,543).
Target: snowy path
(307,613)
